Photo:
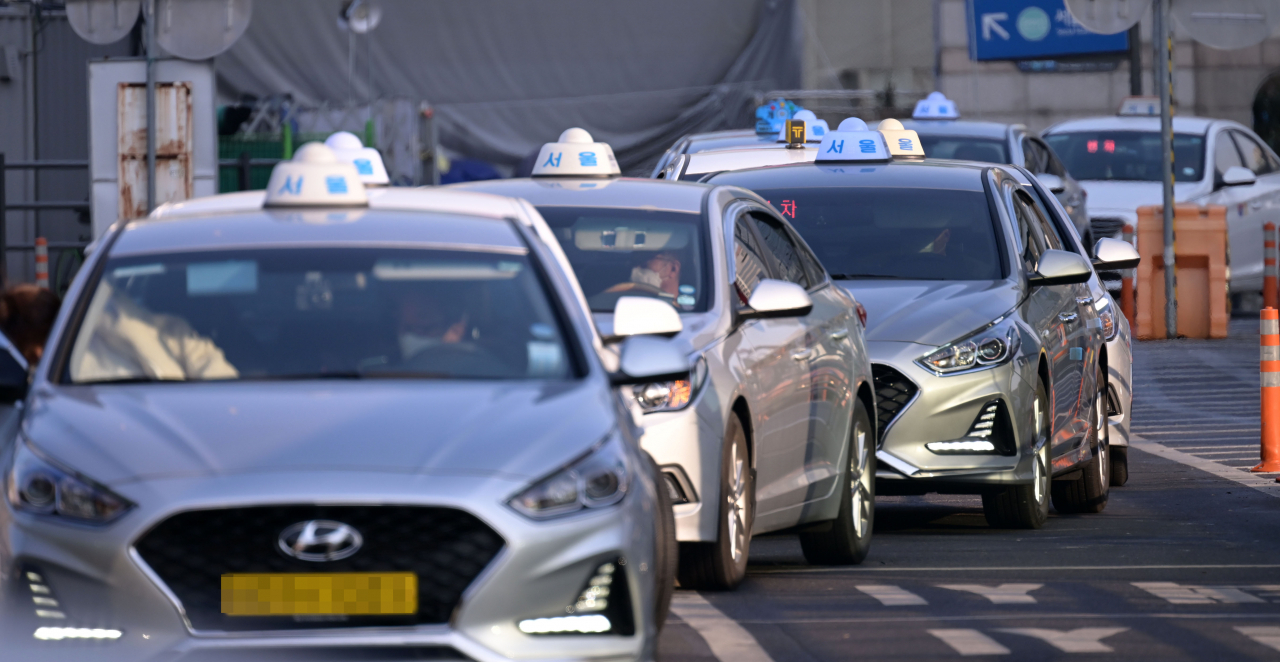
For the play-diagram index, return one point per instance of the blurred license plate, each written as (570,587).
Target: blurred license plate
(346,593)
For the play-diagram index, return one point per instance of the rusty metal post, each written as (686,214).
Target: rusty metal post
(150,16)
(244,169)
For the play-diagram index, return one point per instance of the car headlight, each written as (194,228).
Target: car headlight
(991,346)
(1107,318)
(673,395)
(600,479)
(38,485)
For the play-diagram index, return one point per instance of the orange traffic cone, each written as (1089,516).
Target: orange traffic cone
(1270,373)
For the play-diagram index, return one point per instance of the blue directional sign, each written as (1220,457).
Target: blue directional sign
(1032,29)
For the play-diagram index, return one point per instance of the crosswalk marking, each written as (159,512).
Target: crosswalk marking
(1267,635)
(1004,594)
(969,642)
(725,637)
(1080,640)
(891,596)
(1179,594)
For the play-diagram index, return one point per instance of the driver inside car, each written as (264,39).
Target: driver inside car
(427,320)
(659,273)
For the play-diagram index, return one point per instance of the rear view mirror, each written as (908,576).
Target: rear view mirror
(777,298)
(1238,176)
(1054,183)
(1115,255)
(13,375)
(639,316)
(646,359)
(1060,268)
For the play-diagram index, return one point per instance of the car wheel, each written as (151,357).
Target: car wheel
(722,565)
(666,557)
(1026,506)
(1089,492)
(1119,466)
(847,539)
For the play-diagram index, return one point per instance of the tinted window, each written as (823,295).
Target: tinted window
(785,252)
(633,252)
(1127,155)
(1028,237)
(749,261)
(915,233)
(1225,154)
(965,149)
(303,313)
(1033,156)
(1052,164)
(1255,156)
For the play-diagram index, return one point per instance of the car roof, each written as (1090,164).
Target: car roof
(1146,124)
(933,174)
(966,128)
(618,192)
(704,163)
(701,142)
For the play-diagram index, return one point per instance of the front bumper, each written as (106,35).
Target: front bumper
(944,409)
(687,444)
(98,581)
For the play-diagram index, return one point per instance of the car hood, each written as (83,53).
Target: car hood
(1128,196)
(125,433)
(931,312)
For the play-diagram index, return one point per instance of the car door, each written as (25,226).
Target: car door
(1244,227)
(779,399)
(1264,196)
(826,362)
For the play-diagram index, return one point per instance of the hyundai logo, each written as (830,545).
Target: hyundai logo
(320,540)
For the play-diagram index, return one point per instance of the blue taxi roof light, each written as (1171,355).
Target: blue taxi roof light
(859,144)
(936,106)
(771,117)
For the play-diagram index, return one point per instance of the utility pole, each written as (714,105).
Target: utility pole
(1162,67)
(150,25)
(1135,60)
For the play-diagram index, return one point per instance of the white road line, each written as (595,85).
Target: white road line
(1266,485)
(1004,594)
(1003,568)
(970,642)
(1200,448)
(891,596)
(1234,452)
(1180,594)
(726,639)
(1080,640)
(1267,635)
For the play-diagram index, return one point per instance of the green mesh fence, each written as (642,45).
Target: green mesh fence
(258,147)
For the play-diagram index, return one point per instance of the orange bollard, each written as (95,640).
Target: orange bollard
(1269,265)
(42,262)
(1126,281)
(1270,392)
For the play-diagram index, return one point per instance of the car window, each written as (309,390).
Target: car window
(1255,155)
(314,313)
(1028,235)
(1225,154)
(1127,155)
(965,148)
(1059,220)
(748,261)
(785,252)
(1052,239)
(1033,157)
(1052,164)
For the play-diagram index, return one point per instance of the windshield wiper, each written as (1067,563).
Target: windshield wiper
(352,374)
(877,276)
(129,380)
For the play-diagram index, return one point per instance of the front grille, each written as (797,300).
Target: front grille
(190,552)
(893,392)
(1105,226)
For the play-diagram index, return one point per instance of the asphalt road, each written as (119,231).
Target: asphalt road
(1184,564)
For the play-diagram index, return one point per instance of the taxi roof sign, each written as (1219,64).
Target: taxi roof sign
(814,128)
(366,160)
(936,106)
(576,154)
(851,141)
(315,178)
(771,116)
(900,141)
(1140,107)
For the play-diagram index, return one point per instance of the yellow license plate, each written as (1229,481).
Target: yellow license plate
(346,593)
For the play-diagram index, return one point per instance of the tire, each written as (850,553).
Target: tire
(1025,506)
(847,539)
(666,557)
(1089,492)
(1119,466)
(722,565)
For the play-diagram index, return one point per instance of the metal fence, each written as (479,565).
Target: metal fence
(69,254)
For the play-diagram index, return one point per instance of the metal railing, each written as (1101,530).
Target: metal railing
(70,253)
(244,168)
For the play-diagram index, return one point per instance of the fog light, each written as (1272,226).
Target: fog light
(58,634)
(592,624)
(602,607)
(962,446)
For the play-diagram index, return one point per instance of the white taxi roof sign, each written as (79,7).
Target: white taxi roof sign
(315,178)
(936,106)
(851,141)
(367,160)
(576,154)
(1140,107)
(900,141)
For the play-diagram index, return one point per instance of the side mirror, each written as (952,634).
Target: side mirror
(641,316)
(646,359)
(14,375)
(1114,255)
(1239,176)
(777,298)
(1052,182)
(1060,268)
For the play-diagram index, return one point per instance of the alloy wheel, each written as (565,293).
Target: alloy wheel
(862,477)
(736,504)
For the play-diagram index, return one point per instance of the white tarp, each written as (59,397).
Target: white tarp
(507,76)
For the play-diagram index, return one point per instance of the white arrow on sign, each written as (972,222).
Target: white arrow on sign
(991,23)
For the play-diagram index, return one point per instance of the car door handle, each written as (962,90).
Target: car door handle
(1068,317)
(803,355)
(1255,204)
(1084,301)
(840,335)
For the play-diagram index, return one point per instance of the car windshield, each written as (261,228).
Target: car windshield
(633,252)
(907,233)
(965,148)
(1127,155)
(316,313)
